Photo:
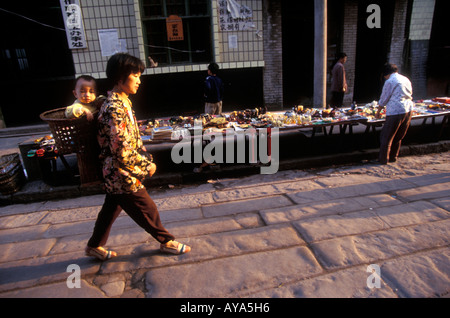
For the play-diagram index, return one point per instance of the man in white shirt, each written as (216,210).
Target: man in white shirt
(397,97)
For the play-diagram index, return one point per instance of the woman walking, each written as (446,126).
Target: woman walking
(125,163)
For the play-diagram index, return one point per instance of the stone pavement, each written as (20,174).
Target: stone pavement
(298,233)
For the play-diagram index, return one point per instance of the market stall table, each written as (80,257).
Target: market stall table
(372,124)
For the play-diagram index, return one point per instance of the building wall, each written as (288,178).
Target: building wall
(419,37)
(398,39)
(102,14)
(124,15)
(273,54)
(350,32)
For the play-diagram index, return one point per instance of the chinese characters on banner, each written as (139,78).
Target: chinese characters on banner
(234,17)
(73,22)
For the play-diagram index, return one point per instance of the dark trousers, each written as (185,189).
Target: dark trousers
(139,206)
(392,134)
(337,99)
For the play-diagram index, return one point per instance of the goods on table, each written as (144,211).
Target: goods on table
(438,104)
(162,133)
(298,117)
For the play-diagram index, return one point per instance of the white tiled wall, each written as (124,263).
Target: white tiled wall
(124,15)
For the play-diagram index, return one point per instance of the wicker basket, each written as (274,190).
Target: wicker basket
(12,177)
(71,135)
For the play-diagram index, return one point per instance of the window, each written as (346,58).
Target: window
(197,44)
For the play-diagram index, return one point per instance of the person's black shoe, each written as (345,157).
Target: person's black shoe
(377,162)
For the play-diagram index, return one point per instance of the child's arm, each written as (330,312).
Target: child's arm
(89,115)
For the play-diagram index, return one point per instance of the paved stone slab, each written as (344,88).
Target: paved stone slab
(180,215)
(20,220)
(120,237)
(74,203)
(281,177)
(227,276)
(44,270)
(375,246)
(184,201)
(419,275)
(413,213)
(218,245)
(244,193)
(347,283)
(21,250)
(57,290)
(23,233)
(349,191)
(228,208)
(316,229)
(71,215)
(295,186)
(69,229)
(203,226)
(350,179)
(429,179)
(443,203)
(323,208)
(20,208)
(432,191)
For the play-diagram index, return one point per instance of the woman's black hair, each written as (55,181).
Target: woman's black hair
(121,65)
(388,69)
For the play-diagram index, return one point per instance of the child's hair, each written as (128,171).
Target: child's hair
(88,78)
(213,67)
(121,65)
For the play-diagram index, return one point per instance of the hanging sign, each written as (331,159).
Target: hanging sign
(174,28)
(73,23)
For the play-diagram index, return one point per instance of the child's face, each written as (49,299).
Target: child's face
(85,91)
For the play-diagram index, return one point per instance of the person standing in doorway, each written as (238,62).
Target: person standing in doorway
(397,97)
(338,81)
(214,89)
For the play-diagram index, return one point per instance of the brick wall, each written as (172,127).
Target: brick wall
(273,54)
(348,45)
(398,34)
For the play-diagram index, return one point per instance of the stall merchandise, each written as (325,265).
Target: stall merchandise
(173,128)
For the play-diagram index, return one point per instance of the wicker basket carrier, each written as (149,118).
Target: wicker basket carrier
(71,135)
(76,135)
(12,177)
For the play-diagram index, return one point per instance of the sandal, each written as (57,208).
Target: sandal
(174,247)
(100,253)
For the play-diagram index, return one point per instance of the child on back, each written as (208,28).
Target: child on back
(86,101)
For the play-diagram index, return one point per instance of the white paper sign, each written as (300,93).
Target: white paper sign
(234,17)
(109,41)
(233,41)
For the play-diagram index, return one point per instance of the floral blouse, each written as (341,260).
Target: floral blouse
(124,164)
